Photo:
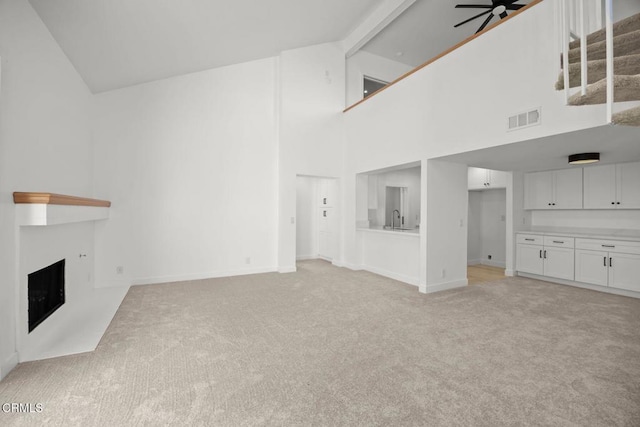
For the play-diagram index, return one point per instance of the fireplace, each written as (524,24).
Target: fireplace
(46,292)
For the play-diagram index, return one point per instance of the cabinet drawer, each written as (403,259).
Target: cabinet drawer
(559,241)
(529,239)
(613,246)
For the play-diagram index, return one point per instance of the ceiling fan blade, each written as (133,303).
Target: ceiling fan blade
(514,6)
(484,24)
(503,15)
(471,19)
(474,6)
(508,2)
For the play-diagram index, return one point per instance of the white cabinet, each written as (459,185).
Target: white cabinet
(608,263)
(561,189)
(326,192)
(551,256)
(612,186)
(485,179)
(326,234)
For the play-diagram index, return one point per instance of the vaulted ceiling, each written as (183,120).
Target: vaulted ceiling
(119,43)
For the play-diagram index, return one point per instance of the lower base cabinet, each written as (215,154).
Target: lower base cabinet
(610,263)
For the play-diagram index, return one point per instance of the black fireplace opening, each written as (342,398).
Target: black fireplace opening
(46,293)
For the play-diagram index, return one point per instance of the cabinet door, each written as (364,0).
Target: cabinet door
(568,189)
(624,272)
(600,187)
(529,259)
(497,179)
(592,267)
(559,263)
(477,178)
(628,186)
(538,190)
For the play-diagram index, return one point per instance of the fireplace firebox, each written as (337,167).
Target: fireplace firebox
(46,292)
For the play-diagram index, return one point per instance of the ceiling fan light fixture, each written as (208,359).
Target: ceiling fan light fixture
(584,158)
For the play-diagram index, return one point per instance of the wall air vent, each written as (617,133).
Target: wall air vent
(524,119)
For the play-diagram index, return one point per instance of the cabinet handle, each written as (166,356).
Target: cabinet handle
(605,261)
(545,254)
(540,253)
(608,246)
(553,204)
(617,203)
(610,262)
(549,204)
(324,213)
(613,203)
(557,241)
(324,201)
(530,240)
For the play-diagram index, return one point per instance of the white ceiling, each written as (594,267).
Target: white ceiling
(426,29)
(616,144)
(119,43)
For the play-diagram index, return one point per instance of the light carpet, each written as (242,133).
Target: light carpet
(330,346)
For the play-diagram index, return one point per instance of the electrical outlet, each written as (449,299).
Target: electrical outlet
(119,269)
(489,256)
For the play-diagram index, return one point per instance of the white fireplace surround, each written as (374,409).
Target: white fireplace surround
(49,228)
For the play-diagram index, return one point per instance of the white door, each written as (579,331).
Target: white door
(592,267)
(628,186)
(323,192)
(568,189)
(624,272)
(538,188)
(477,178)
(529,259)
(559,263)
(324,235)
(600,187)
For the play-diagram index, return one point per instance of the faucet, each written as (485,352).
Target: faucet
(393,219)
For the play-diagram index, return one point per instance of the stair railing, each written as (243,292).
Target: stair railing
(579,18)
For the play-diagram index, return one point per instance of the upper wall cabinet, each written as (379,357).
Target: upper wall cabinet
(612,186)
(486,179)
(560,189)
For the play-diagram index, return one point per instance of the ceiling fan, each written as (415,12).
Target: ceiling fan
(498,7)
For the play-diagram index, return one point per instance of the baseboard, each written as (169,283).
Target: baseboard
(306,257)
(597,288)
(509,273)
(354,267)
(200,276)
(337,263)
(499,264)
(446,286)
(415,281)
(8,365)
(284,270)
(474,261)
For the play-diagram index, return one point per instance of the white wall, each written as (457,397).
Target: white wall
(625,8)
(190,165)
(311,134)
(367,64)
(306,218)
(446,237)
(474,224)
(45,140)
(618,219)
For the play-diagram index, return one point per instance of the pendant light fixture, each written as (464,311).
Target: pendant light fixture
(584,158)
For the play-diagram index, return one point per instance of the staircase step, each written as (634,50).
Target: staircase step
(624,26)
(630,117)
(624,44)
(626,88)
(597,70)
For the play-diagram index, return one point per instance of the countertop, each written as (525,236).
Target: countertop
(413,232)
(588,233)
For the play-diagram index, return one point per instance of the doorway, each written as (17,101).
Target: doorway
(316,213)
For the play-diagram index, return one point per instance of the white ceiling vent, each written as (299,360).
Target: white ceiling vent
(524,119)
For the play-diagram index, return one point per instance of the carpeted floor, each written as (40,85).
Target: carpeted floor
(329,346)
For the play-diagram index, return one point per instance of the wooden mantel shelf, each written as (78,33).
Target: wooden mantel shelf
(57,199)
(51,209)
